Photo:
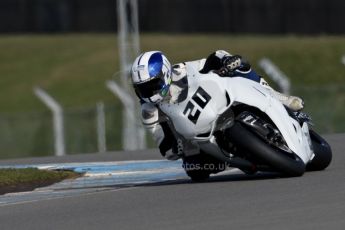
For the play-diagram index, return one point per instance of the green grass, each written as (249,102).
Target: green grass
(74,67)
(15,180)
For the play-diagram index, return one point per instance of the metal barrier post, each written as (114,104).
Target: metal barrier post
(101,133)
(276,75)
(58,122)
(129,47)
(133,135)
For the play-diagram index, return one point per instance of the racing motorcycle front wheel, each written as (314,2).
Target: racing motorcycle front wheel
(287,163)
(322,151)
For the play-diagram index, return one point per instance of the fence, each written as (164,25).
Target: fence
(325,104)
(31,133)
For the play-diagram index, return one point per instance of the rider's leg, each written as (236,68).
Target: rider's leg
(293,102)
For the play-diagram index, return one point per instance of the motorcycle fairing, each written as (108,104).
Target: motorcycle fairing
(195,117)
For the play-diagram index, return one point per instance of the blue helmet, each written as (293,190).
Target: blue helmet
(151,76)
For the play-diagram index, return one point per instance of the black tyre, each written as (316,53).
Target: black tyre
(323,153)
(286,163)
(198,168)
(198,175)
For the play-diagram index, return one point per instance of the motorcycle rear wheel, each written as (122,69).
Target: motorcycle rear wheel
(280,161)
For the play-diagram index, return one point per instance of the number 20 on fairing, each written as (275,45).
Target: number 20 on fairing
(200,98)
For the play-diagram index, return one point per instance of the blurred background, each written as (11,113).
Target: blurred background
(71,48)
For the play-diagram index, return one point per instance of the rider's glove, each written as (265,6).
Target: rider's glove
(223,72)
(231,63)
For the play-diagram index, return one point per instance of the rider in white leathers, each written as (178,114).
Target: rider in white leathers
(155,82)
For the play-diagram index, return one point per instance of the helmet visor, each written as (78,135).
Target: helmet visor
(149,88)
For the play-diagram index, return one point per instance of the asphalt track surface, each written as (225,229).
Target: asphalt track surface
(314,201)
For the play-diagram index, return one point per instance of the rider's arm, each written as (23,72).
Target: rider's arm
(160,131)
(221,58)
(227,65)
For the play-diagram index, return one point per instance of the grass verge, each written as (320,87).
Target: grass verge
(19,180)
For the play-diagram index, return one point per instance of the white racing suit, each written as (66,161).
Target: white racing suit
(155,121)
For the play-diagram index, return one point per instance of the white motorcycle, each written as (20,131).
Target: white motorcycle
(236,122)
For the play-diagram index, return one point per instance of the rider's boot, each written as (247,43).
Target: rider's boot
(293,102)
